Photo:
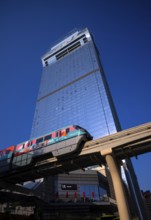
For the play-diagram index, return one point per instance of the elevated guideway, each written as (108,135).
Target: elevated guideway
(124,144)
(108,150)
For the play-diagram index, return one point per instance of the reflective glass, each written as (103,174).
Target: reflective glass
(72,91)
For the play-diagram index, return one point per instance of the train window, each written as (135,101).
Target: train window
(7,151)
(23,145)
(48,137)
(72,128)
(53,134)
(28,144)
(1,153)
(33,142)
(39,140)
(77,127)
(58,134)
(19,147)
(67,130)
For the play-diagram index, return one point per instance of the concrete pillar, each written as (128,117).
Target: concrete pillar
(118,187)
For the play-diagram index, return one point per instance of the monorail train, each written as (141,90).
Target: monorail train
(59,143)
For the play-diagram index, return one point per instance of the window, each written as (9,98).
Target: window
(67,130)
(65,47)
(68,50)
(90,191)
(19,147)
(72,128)
(39,140)
(7,151)
(58,134)
(48,137)
(29,144)
(77,127)
(85,39)
(1,153)
(53,134)
(46,63)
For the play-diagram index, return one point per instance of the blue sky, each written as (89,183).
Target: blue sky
(122,32)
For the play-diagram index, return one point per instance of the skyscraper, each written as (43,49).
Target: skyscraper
(73,89)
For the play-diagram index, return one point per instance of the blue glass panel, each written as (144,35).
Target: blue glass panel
(72,91)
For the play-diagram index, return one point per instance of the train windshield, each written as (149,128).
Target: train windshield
(78,127)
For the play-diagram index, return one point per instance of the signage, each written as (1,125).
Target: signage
(69,186)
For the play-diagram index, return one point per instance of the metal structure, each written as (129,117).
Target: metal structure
(109,150)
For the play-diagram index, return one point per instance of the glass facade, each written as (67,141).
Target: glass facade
(73,89)
(92,192)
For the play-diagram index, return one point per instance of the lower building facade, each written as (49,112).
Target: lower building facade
(77,186)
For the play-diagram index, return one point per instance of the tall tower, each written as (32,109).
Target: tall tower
(73,89)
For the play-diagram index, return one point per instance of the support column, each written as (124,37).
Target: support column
(118,188)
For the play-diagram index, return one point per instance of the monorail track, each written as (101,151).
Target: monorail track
(124,144)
